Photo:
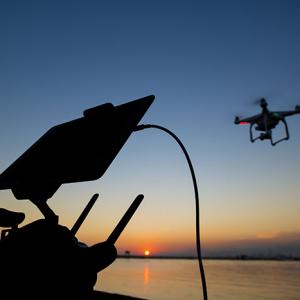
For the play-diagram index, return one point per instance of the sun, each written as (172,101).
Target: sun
(147,252)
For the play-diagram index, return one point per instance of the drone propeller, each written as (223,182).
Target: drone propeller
(257,100)
(261,101)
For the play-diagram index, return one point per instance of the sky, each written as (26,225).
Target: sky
(205,62)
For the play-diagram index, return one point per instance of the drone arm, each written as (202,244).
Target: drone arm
(249,119)
(288,112)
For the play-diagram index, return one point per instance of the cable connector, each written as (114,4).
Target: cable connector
(142,127)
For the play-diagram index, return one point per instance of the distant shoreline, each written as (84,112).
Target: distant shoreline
(241,257)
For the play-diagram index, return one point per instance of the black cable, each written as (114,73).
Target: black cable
(198,244)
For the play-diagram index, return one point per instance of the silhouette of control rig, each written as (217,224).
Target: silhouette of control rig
(44,259)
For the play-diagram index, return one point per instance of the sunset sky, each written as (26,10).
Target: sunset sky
(205,61)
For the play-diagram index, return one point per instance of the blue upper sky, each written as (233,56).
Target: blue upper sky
(205,61)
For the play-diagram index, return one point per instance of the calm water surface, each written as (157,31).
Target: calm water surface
(167,279)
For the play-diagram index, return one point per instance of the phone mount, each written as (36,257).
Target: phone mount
(79,150)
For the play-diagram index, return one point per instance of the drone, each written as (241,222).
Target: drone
(266,121)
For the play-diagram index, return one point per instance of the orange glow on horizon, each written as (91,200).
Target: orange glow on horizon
(147,252)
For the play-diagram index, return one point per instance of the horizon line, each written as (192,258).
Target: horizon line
(237,257)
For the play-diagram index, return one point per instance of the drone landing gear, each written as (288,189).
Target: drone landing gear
(267,135)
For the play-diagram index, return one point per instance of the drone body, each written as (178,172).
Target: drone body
(266,121)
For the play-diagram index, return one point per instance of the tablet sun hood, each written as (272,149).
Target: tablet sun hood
(79,150)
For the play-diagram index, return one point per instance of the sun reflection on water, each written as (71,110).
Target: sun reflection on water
(146,274)
(146,277)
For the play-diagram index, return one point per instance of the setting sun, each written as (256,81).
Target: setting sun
(147,252)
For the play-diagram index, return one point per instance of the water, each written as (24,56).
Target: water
(167,279)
